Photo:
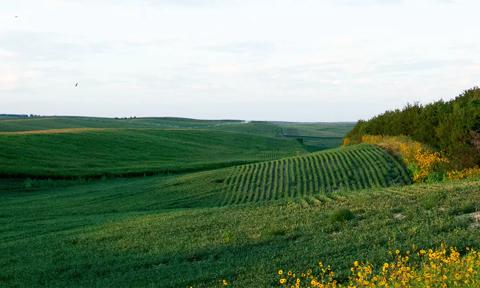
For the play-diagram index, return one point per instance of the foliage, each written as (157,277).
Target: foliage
(431,268)
(465,173)
(451,127)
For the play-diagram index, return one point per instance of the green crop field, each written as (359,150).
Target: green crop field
(107,179)
(315,136)
(132,151)
(169,202)
(164,231)
(349,168)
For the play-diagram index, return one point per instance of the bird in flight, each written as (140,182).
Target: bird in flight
(76,84)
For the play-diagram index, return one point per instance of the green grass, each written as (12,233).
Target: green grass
(124,152)
(131,232)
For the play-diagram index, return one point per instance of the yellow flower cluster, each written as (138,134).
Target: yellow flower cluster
(324,279)
(465,173)
(434,268)
(427,162)
(413,153)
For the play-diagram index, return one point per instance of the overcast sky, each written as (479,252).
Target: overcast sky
(296,60)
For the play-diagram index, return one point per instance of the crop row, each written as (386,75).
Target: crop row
(349,168)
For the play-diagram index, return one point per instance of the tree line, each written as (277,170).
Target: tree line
(451,127)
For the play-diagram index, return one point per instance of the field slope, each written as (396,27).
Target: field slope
(88,152)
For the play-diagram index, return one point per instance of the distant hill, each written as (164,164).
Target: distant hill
(59,122)
(13,116)
(95,152)
(314,136)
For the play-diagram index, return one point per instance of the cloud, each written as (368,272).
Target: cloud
(204,57)
(32,46)
(248,48)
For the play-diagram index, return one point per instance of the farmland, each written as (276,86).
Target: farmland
(157,231)
(165,202)
(316,136)
(98,152)
(351,168)
(239,144)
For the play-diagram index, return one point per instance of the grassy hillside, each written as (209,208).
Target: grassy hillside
(121,232)
(96,152)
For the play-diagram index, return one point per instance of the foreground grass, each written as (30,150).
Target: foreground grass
(120,233)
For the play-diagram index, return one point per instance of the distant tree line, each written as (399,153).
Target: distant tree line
(451,127)
(13,115)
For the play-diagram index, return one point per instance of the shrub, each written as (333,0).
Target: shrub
(425,164)
(341,214)
(465,173)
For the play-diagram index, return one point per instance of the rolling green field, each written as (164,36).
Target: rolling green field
(129,233)
(124,152)
(206,201)
(315,136)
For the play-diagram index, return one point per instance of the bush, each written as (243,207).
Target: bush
(424,164)
(341,214)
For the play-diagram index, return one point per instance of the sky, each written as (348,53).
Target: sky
(290,60)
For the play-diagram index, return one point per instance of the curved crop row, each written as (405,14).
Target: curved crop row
(347,168)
